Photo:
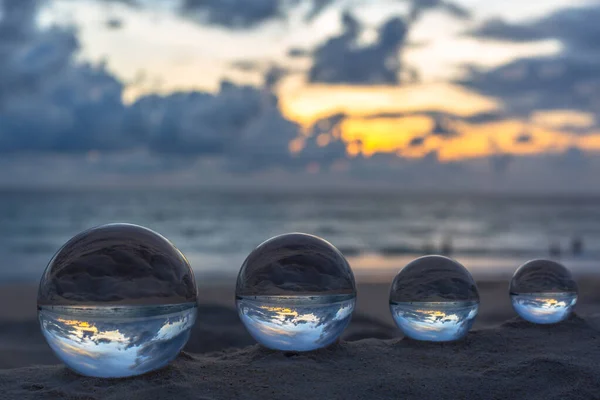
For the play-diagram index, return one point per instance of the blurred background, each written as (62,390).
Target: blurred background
(391,128)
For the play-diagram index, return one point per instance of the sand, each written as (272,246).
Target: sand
(503,357)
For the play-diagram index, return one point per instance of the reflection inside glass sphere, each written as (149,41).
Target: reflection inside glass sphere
(543,292)
(434,298)
(295,292)
(296,323)
(117,341)
(544,308)
(117,300)
(435,321)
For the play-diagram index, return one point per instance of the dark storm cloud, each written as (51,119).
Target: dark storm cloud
(433,278)
(567,80)
(294,264)
(117,264)
(340,60)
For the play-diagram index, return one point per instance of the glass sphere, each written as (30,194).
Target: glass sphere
(117,300)
(543,292)
(434,299)
(295,292)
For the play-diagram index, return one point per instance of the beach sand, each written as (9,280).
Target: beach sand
(502,357)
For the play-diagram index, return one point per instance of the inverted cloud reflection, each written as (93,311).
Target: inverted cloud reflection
(116,341)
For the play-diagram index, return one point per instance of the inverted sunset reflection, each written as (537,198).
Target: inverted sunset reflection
(299,324)
(544,308)
(117,341)
(435,321)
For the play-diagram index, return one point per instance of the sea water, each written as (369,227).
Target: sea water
(117,341)
(544,308)
(295,323)
(435,321)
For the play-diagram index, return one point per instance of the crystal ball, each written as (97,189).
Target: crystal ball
(434,298)
(543,292)
(117,300)
(295,292)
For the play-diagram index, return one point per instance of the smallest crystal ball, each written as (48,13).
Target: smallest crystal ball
(543,292)
(295,292)
(434,298)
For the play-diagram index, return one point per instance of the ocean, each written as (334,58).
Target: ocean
(378,232)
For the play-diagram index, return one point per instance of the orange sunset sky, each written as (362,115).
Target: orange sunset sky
(198,57)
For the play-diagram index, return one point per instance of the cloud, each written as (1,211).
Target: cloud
(232,13)
(114,23)
(241,124)
(76,108)
(273,75)
(340,60)
(524,138)
(194,122)
(418,7)
(18,32)
(63,120)
(297,52)
(442,129)
(51,103)
(568,80)
(47,101)
(243,14)
(542,83)
(417,141)
(499,29)
(574,27)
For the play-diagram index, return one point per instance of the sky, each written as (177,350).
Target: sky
(465,95)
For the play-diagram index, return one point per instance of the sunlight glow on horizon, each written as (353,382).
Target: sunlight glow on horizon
(181,55)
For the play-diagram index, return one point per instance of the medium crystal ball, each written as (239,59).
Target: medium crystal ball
(434,298)
(295,292)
